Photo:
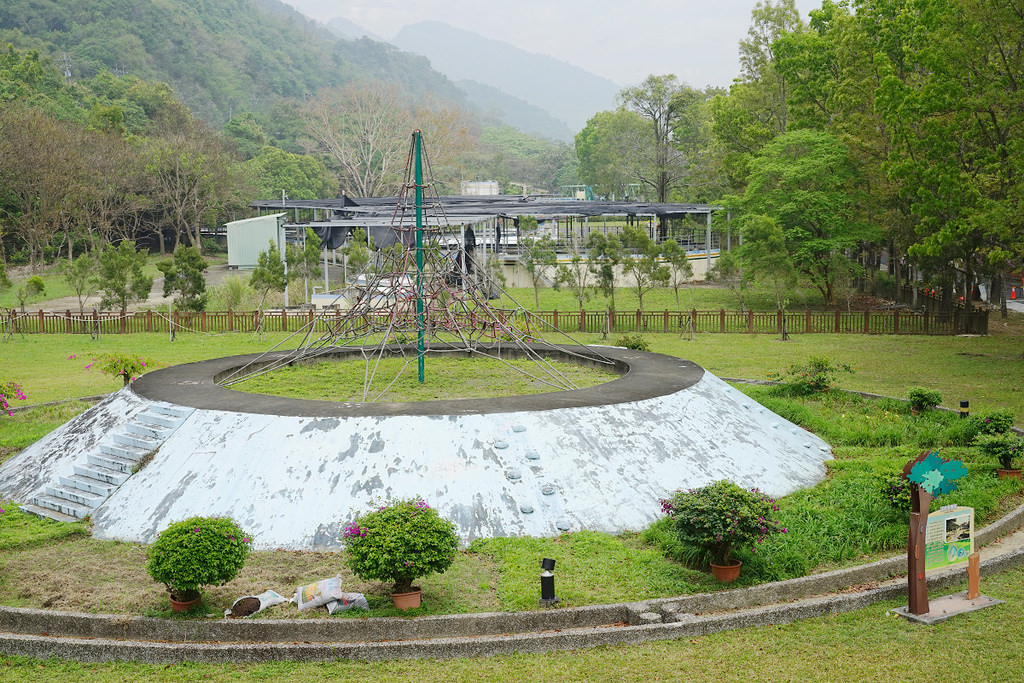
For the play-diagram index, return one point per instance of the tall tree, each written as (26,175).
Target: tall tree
(364,129)
(766,260)
(269,274)
(184,275)
(806,181)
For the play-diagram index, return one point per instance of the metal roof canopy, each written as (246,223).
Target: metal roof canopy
(472,209)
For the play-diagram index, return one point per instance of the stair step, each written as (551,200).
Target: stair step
(124,451)
(46,513)
(149,431)
(61,505)
(160,419)
(111,462)
(136,440)
(168,409)
(75,495)
(87,484)
(102,473)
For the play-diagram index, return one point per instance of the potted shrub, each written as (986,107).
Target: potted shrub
(398,543)
(1006,448)
(715,519)
(196,552)
(923,399)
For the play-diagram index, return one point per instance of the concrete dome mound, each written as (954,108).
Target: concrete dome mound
(293,472)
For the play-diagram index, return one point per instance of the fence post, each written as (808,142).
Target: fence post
(284,320)
(149,321)
(202,321)
(67,321)
(583,321)
(554,319)
(750,321)
(721,320)
(638,320)
(896,321)
(611,321)
(231,320)
(666,320)
(778,322)
(926,321)
(807,325)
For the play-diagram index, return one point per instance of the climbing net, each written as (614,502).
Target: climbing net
(429,291)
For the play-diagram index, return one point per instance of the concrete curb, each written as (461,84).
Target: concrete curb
(93,638)
(673,625)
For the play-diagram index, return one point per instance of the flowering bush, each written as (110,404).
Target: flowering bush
(8,392)
(816,375)
(400,542)
(715,519)
(1005,447)
(896,491)
(199,551)
(122,365)
(995,422)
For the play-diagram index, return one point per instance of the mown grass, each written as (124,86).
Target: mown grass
(866,645)
(396,379)
(20,531)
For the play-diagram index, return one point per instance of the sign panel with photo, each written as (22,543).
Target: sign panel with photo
(949,537)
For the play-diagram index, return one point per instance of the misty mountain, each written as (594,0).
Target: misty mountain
(569,93)
(497,105)
(343,28)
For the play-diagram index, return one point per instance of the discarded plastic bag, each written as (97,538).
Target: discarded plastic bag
(318,594)
(346,602)
(249,605)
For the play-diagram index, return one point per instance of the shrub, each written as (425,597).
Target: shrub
(195,552)
(400,542)
(1004,447)
(923,399)
(814,376)
(715,519)
(122,365)
(995,422)
(8,392)
(896,492)
(633,341)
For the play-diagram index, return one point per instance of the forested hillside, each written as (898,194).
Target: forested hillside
(220,56)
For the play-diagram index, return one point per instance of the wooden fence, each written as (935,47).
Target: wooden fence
(720,321)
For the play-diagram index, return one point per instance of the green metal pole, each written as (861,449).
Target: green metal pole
(419,254)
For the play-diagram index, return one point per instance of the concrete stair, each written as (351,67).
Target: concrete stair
(75,495)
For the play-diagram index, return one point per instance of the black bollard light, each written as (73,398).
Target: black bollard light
(965,408)
(547,583)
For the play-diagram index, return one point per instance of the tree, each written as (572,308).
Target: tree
(121,277)
(184,275)
(32,288)
(364,129)
(601,150)
(269,273)
(301,177)
(766,260)
(304,262)
(80,276)
(728,270)
(356,252)
(537,256)
(606,253)
(653,158)
(680,270)
(641,262)
(575,275)
(806,181)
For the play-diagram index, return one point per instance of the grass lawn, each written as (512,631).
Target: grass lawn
(842,521)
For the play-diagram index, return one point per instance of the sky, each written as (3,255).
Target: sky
(622,40)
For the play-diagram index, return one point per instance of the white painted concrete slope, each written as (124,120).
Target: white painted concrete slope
(293,482)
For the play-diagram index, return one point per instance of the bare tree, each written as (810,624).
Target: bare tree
(365,129)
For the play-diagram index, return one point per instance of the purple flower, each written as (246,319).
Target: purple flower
(72,357)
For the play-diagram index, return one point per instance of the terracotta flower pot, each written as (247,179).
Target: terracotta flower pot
(726,573)
(1008,474)
(183,602)
(410,600)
